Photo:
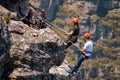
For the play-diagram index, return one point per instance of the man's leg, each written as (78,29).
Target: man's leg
(67,44)
(77,65)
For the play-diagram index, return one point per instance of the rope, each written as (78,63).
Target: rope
(63,31)
(55,29)
(19,1)
(50,3)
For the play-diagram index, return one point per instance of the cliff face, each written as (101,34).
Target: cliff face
(31,53)
(4,44)
(27,53)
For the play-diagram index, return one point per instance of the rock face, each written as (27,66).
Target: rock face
(36,54)
(18,9)
(51,6)
(33,50)
(4,44)
(22,7)
(33,53)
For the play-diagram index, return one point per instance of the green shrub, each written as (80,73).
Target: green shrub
(6,17)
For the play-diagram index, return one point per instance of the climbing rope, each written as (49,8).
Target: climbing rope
(50,3)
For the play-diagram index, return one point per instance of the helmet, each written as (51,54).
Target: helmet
(87,35)
(75,20)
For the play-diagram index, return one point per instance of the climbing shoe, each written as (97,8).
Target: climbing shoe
(70,71)
(64,45)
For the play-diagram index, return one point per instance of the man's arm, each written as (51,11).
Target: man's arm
(69,33)
(82,50)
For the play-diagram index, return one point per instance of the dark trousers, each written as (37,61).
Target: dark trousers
(78,63)
(69,43)
(72,39)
